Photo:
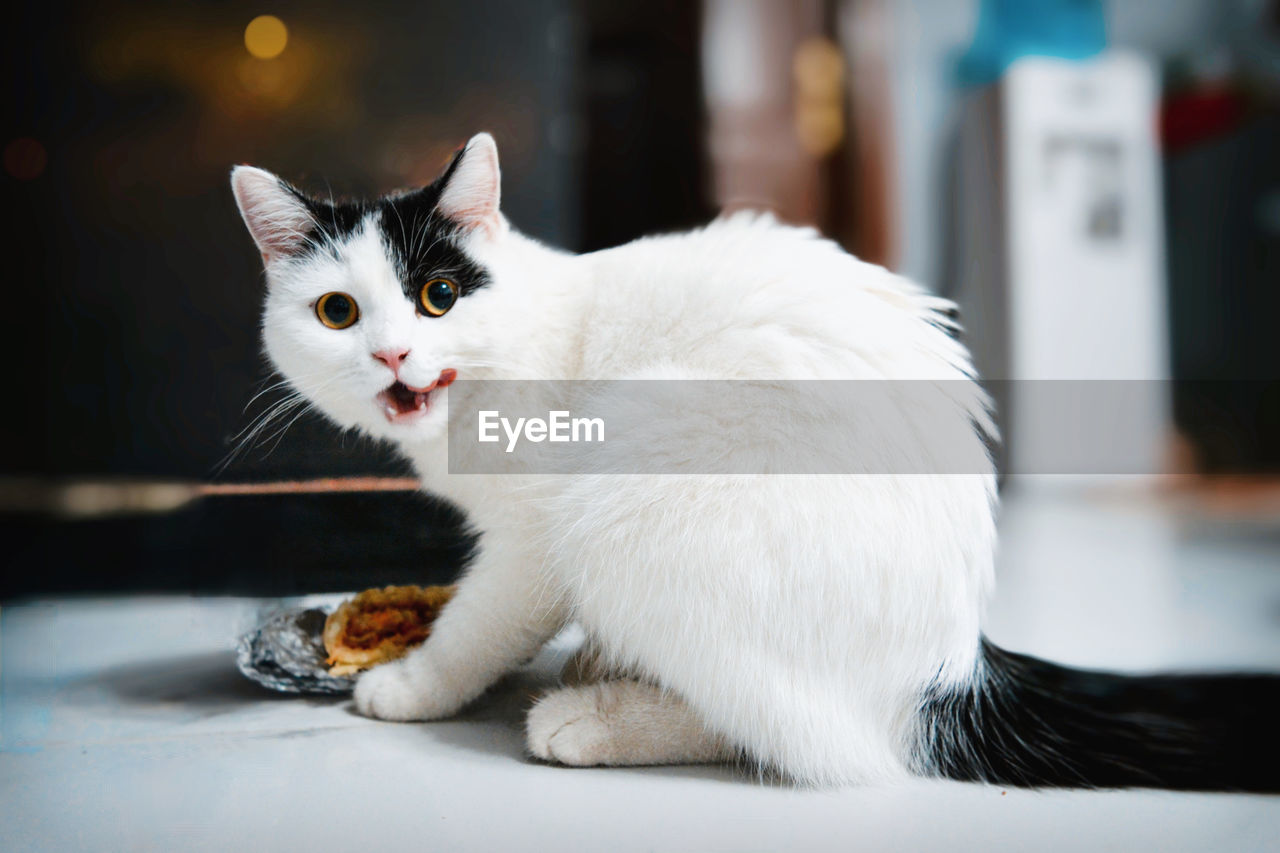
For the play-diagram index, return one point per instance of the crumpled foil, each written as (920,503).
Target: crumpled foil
(286,653)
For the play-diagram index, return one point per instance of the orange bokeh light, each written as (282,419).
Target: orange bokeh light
(266,37)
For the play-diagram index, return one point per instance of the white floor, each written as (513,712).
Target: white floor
(125,726)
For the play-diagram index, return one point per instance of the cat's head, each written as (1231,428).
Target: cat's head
(373,308)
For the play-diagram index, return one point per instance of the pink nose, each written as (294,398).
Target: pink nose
(392,358)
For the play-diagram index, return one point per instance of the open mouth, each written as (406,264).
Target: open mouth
(403,403)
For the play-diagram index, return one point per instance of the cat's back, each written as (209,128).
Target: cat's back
(749,297)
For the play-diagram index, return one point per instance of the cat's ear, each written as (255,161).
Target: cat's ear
(472,185)
(277,216)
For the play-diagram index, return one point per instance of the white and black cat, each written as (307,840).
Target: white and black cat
(824,628)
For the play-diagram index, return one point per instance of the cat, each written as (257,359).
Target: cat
(826,630)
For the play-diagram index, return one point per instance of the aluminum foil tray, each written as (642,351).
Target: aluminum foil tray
(286,653)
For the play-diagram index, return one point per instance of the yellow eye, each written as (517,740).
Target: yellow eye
(337,310)
(437,296)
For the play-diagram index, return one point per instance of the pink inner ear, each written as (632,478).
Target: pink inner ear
(279,228)
(277,220)
(471,197)
(474,213)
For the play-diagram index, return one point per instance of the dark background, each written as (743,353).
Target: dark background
(134,292)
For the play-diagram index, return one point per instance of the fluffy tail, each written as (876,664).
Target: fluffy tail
(1027,722)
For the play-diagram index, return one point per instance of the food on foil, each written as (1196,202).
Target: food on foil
(380,625)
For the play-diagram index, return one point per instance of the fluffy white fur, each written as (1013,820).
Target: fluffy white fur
(791,620)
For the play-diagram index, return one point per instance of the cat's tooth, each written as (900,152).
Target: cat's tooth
(390,410)
(419,400)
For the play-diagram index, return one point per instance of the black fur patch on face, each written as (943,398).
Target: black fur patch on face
(422,243)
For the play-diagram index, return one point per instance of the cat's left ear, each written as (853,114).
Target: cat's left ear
(472,187)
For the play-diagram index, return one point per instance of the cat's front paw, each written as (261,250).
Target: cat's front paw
(395,691)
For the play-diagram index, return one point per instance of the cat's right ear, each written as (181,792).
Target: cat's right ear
(472,186)
(278,219)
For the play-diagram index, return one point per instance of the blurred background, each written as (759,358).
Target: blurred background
(1097,184)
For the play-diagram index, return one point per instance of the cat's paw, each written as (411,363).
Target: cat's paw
(394,691)
(566,727)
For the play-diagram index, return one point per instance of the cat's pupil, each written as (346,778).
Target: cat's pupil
(440,294)
(337,308)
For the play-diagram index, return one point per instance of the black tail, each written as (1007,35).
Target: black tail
(1027,722)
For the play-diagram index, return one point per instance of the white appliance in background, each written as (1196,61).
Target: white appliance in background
(1058,264)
